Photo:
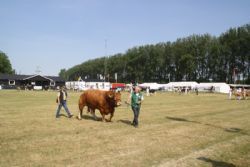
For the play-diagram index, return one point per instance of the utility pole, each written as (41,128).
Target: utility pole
(234,75)
(116,77)
(105,64)
(106,73)
(38,71)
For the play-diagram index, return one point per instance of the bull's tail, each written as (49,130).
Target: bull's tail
(81,104)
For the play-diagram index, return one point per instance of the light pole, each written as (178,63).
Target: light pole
(105,61)
(234,74)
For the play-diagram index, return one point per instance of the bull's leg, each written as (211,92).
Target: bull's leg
(93,114)
(80,112)
(111,116)
(103,114)
(103,117)
(81,105)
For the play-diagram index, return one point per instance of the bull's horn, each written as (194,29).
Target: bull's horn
(111,95)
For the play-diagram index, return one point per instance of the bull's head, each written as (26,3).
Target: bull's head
(114,97)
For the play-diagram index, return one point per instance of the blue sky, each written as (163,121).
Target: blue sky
(56,34)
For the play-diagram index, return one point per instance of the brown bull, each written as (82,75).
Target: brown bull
(104,101)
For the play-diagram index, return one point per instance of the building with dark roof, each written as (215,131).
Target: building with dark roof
(8,81)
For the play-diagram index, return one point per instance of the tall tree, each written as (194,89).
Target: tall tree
(5,65)
(63,74)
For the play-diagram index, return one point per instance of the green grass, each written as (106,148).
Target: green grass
(175,130)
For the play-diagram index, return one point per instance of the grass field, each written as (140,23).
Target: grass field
(175,130)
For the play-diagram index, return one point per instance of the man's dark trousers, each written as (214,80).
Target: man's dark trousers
(136,110)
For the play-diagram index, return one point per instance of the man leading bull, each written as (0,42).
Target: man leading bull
(136,98)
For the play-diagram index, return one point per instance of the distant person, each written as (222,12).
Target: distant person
(62,102)
(186,90)
(196,91)
(179,90)
(239,91)
(136,98)
(243,93)
(131,89)
(118,89)
(147,91)
(230,94)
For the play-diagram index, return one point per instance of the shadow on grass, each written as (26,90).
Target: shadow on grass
(63,115)
(216,163)
(231,130)
(88,117)
(127,122)
(181,119)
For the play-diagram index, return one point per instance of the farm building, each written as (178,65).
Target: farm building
(38,82)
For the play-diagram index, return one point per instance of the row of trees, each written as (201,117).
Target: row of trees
(199,58)
(5,65)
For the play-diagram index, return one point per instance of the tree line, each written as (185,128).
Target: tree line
(201,58)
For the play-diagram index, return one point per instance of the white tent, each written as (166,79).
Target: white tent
(183,84)
(173,85)
(154,86)
(217,87)
(82,85)
(98,85)
(75,85)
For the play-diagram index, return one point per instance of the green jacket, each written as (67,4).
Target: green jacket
(136,99)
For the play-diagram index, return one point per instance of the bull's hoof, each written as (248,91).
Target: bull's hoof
(108,120)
